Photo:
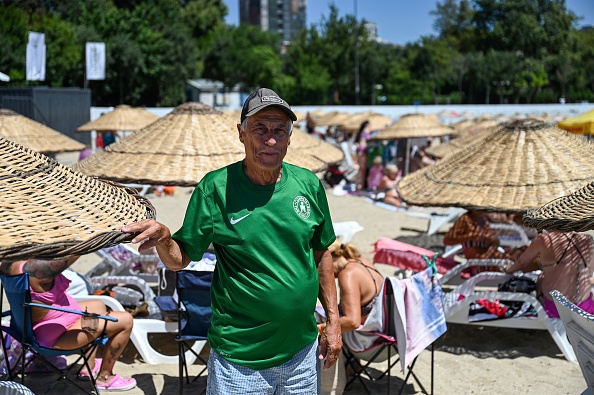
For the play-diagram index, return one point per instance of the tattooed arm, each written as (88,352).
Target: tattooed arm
(38,269)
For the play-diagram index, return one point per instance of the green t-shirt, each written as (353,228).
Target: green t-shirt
(266,282)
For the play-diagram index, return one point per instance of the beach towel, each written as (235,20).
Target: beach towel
(424,320)
(407,256)
(418,318)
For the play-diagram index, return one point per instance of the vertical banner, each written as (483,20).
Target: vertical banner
(95,55)
(36,57)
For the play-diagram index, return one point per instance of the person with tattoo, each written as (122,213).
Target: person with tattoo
(60,330)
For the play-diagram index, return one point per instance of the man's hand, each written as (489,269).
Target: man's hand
(150,232)
(330,344)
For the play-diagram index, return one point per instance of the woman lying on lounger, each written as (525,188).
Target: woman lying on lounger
(67,331)
(566,261)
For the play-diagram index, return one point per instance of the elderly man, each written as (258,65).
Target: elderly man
(270,226)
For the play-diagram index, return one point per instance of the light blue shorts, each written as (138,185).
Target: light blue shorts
(297,376)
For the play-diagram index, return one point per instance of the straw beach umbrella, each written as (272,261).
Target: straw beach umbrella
(376,121)
(413,126)
(123,117)
(34,135)
(520,166)
(305,143)
(445,149)
(49,211)
(178,149)
(574,212)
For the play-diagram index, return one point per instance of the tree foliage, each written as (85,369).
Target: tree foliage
(486,51)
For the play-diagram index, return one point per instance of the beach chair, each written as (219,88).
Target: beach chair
(16,288)
(580,331)
(458,303)
(191,306)
(436,219)
(119,261)
(397,330)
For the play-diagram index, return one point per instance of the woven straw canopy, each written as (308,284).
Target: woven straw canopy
(332,118)
(305,143)
(49,211)
(34,135)
(178,149)
(446,149)
(376,121)
(520,166)
(574,212)
(123,117)
(414,125)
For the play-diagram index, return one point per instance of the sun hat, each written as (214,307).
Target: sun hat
(262,98)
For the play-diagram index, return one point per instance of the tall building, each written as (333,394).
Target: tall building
(285,17)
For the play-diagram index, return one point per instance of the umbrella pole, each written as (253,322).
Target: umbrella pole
(407,159)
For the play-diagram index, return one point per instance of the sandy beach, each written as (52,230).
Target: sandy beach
(468,359)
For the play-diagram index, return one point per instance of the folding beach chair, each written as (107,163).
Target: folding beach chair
(193,312)
(17,291)
(393,334)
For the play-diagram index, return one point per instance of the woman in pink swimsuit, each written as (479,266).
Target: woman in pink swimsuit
(566,261)
(68,331)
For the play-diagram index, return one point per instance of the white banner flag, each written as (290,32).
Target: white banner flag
(36,57)
(95,61)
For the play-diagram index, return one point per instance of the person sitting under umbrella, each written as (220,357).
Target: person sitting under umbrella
(66,331)
(567,265)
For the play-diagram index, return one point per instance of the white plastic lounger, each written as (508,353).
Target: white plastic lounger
(457,310)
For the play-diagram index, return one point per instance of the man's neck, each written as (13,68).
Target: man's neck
(263,177)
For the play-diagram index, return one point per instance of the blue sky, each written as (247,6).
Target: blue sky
(399,21)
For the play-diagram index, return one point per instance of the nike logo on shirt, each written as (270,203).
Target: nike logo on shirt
(234,221)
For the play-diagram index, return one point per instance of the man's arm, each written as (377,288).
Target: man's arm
(154,234)
(330,339)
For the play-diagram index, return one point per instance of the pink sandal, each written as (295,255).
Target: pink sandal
(117,383)
(85,376)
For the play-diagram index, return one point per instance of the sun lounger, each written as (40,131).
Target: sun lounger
(346,230)
(457,304)
(437,220)
(580,331)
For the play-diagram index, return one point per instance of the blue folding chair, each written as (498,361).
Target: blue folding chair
(16,288)
(193,315)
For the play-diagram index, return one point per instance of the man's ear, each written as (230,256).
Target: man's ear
(240,132)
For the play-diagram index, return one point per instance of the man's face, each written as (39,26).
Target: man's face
(266,138)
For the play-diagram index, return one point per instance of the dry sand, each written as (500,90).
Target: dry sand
(468,359)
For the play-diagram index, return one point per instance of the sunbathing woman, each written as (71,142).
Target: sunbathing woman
(359,283)
(67,331)
(388,185)
(566,263)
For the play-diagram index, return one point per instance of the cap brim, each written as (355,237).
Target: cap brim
(289,112)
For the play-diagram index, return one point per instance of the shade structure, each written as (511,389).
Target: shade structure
(581,124)
(573,212)
(414,125)
(332,118)
(50,211)
(521,166)
(304,142)
(376,121)
(123,117)
(178,149)
(34,135)
(454,145)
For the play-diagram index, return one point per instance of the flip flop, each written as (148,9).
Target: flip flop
(117,383)
(85,376)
